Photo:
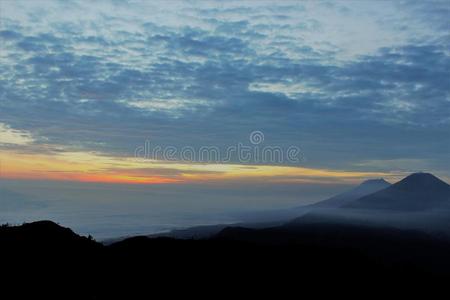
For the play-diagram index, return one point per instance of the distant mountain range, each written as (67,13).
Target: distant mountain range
(366,188)
(417,192)
(372,201)
(420,201)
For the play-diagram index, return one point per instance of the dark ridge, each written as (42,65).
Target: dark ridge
(53,262)
(41,232)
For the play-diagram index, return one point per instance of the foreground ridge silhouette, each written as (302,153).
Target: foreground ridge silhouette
(43,259)
(53,261)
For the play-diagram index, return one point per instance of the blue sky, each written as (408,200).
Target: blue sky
(358,86)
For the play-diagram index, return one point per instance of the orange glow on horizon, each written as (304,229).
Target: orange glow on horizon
(94,167)
(44,167)
(105,178)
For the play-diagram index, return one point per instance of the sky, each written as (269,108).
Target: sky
(360,88)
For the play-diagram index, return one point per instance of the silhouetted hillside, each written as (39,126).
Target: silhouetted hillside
(320,248)
(42,234)
(45,259)
(53,261)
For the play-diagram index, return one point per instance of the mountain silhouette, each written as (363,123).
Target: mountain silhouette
(365,188)
(45,260)
(282,215)
(64,264)
(53,262)
(416,192)
(42,234)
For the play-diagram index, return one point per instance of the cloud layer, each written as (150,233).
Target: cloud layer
(351,84)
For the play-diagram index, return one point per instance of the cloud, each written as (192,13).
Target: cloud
(9,136)
(344,84)
(100,167)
